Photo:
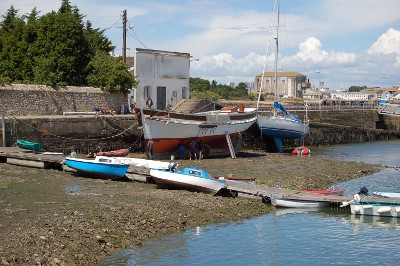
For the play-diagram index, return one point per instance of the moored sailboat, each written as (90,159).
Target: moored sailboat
(280,124)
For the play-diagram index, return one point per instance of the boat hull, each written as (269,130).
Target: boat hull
(29,145)
(182,181)
(287,203)
(338,192)
(117,153)
(169,132)
(99,166)
(282,128)
(376,209)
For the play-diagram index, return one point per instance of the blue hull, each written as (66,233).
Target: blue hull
(282,128)
(88,166)
(281,133)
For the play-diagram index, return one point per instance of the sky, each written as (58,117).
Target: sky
(338,42)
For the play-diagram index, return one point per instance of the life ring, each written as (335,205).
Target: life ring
(302,150)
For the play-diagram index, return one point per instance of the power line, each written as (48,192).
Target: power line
(113,24)
(137,38)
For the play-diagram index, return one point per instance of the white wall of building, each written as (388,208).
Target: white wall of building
(350,96)
(161,69)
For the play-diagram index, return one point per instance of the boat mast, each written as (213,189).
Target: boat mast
(276,58)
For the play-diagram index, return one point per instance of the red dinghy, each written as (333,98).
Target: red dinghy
(325,192)
(117,153)
(302,150)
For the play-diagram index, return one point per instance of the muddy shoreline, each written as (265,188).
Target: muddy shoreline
(51,217)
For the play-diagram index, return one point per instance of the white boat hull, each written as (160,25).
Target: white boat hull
(168,132)
(375,210)
(287,203)
(188,182)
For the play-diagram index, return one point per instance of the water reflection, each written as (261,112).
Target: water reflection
(292,236)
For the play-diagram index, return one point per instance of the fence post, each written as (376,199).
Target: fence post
(3,127)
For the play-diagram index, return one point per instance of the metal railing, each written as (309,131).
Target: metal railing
(389,108)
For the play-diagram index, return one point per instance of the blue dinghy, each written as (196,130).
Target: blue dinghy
(189,178)
(106,166)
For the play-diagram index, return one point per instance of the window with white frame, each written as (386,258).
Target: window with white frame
(146,92)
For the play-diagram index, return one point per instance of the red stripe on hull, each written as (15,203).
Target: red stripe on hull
(217,145)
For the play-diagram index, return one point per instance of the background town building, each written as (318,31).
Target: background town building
(290,84)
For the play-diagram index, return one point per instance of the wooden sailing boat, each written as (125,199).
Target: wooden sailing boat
(281,124)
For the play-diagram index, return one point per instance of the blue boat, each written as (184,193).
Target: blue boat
(105,166)
(189,178)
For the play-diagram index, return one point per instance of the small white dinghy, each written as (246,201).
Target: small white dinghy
(289,203)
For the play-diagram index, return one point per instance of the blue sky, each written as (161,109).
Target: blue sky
(351,42)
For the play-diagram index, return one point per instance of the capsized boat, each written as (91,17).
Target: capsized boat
(101,165)
(169,130)
(385,209)
(338,192)
(376,207)
(290,203)
(188,178)
(29,145)
(280,124)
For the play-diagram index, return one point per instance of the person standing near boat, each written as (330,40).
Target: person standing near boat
(193,150)
(150,145)
(132,104)
(199,150)
(149,102)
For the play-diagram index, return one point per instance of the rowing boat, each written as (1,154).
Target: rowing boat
(29,145)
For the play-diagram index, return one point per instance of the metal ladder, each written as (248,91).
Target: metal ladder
(231,149)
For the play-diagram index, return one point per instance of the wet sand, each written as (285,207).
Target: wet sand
(52,217)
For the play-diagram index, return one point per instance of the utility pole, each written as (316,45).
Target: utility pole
(124,37)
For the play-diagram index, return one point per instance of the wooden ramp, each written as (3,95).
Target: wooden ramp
(18,156)
(267,193)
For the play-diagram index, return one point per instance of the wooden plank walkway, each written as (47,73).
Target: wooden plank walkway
(272,192)
(22,154)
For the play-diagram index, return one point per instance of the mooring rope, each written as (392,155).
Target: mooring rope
(69,138)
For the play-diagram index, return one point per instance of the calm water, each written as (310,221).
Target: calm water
(292,237)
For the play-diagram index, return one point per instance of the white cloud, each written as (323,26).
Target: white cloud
(388,43)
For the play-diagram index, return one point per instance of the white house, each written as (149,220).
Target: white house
(350,96)
(163,76)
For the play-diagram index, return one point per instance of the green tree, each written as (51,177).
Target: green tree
(198,84)
(110,74)
(357,88)
(12,49)
(240,90)
(96,40)
(64,52)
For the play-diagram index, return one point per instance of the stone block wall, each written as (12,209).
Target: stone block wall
(80,134)
(22,99)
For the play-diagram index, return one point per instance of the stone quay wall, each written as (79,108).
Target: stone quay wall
(79,134)
(22,99)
